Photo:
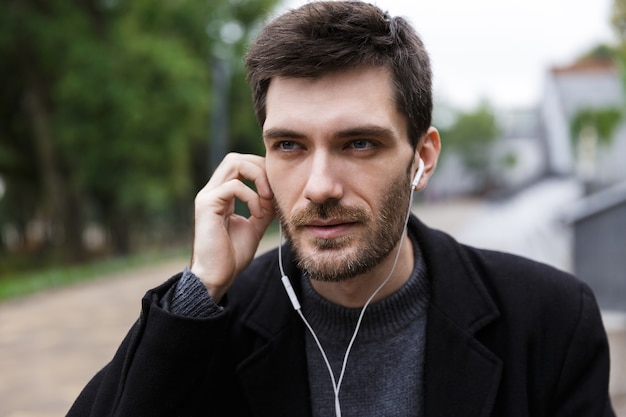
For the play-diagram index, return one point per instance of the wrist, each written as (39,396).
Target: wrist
(215,291)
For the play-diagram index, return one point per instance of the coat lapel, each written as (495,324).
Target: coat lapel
(274,377)
(461,375)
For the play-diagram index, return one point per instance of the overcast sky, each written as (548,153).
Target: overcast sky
(500,50)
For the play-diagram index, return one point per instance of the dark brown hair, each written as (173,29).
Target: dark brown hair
(325,36)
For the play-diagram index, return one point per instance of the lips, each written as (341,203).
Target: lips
(329,229)
(329,221)
(326,222)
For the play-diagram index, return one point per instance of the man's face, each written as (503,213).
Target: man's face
(339,162)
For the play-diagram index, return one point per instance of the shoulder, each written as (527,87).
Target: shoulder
(522,277)
(521,289)
(533,294)
(548,320)
(505,276)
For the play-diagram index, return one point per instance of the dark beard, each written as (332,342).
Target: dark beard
(382,235)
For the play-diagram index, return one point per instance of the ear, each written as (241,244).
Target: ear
(428,150)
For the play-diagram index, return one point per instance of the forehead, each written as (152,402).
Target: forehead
(339,100)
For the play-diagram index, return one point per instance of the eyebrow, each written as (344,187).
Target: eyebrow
(280,133)
(370,131)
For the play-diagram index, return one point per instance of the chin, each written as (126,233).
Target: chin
(336,264)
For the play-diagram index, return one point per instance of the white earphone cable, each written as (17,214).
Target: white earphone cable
(306,322)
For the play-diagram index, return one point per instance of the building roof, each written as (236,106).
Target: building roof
(586,65)
(590,83)
(597,203)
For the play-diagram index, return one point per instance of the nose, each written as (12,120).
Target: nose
(324,181)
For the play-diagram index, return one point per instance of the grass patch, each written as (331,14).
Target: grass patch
(41,278)
(25,283)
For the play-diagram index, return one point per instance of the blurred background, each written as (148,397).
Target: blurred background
(113,115)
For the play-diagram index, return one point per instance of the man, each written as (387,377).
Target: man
(389,319)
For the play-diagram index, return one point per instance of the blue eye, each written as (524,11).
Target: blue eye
(362,144)
(286,145)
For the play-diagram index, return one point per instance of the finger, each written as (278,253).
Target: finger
(220,200)
(262,223)
(240,166)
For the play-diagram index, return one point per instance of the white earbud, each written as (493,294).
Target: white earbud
(418,175)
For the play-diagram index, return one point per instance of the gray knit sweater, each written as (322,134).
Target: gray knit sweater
(384,372)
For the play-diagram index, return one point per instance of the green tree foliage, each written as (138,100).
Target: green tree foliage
(599,53)
(603,121)
(104,113)
(618,18)
(471,137)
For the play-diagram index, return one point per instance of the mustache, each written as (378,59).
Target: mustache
(328,210)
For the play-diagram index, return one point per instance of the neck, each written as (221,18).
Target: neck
(354,292)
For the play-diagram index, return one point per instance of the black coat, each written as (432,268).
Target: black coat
(505,337)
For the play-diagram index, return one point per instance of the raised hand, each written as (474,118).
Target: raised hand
(225,242)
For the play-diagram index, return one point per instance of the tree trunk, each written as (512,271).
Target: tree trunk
(58,201)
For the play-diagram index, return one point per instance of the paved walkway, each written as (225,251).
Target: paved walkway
(52,343)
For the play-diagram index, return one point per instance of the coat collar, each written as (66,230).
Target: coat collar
(461,375)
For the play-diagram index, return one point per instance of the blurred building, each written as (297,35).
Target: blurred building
(599,226)
(598,219)
(519,157)
(543,176)
(589,84)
